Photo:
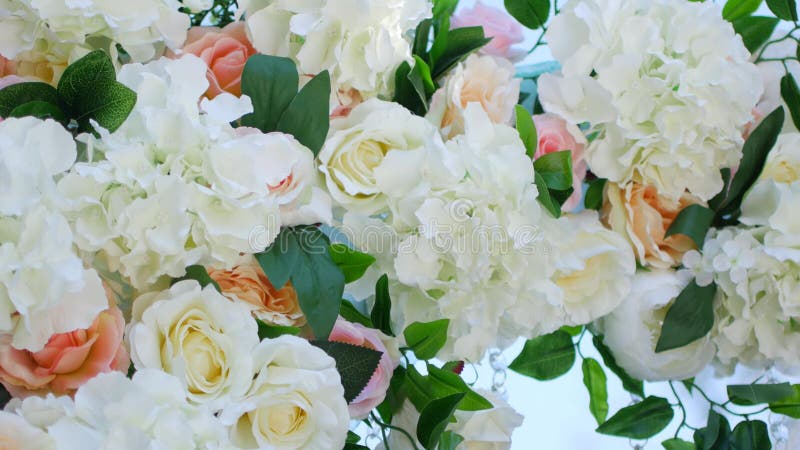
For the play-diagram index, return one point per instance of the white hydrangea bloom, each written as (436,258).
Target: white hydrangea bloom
(672,93)
(143,28)
(360,42)
(176,185)
(112,411)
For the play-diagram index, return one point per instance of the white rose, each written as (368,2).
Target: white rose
(594,268)
(17,434)
(486,80)
(200,337)
(296,400)
(379,149)
(633,329)
(783,161)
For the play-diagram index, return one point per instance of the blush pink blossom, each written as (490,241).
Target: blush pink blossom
(497,24)
(556,135)
(225,51)
(68,360)
(375,391)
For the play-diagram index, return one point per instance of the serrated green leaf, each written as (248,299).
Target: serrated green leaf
(18,94)
(791,95)
(351,262)
(556,169)
(629,383)
(789,406)
(751,435)
(307,116)
(690,317)
(355,365)
(736,9)
(426,339)
(677,444)
(199,274)
(753,394)
(381,315)
(271,82)
(40,110)
(755,30)
(268,331)
(640,421)
(434,419)
(527,130)
(694,222)
(783,9)
(594,194)
(349,313)
(82,75)
(594,378)
(545,357)
(532,14)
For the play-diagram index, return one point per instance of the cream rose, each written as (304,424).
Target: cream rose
(480,79)
(197,335)
(633,330)
(379,149)
(246,282)
(643,216)
(296,400)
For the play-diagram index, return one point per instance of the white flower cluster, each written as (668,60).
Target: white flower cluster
(757,269)
(48,30)
(44,288)
(465,237)
(665,84)
(360,42)
(176,185)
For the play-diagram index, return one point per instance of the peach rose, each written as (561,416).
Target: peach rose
(497,24)
(7,67)
(375,391)
(246,282)
(556,135)
(643,216)
(68,360)
(225,52)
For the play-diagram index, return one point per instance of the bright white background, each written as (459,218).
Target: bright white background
(557,413)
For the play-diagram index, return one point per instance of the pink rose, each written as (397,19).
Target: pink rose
(375,391)
(556,135)
(497,24)
(68,360)
(225,52)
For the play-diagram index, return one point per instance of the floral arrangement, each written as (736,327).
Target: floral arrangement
(294,224)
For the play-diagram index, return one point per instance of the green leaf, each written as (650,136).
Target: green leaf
(395,395)
(572,331)
(422,37)
(716,434)
(755,30)
(426,339)
(349,313)
(753,394)
(789,406)
(751,435)
(545,357)
(434,418)
(280,259)
(531,13)
(441,383)
(594,194)
(527,130)
(19,94)
(307,116)
(556,169)
(640,421)
(677,444)
(352,438)
(199,274)
(783,9)
(355,365)
(271,83)
(629,383)
(450,440)
(421,81)
(381,315)
(736,9)
(404,92)
(694,222)
(40,110)
(544,196)
(719,199)
(689,318)
(594,378)
(791,95)
(444,8)
(79,78)
(754,154)
(351,262)
(267,331)
(460,43)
